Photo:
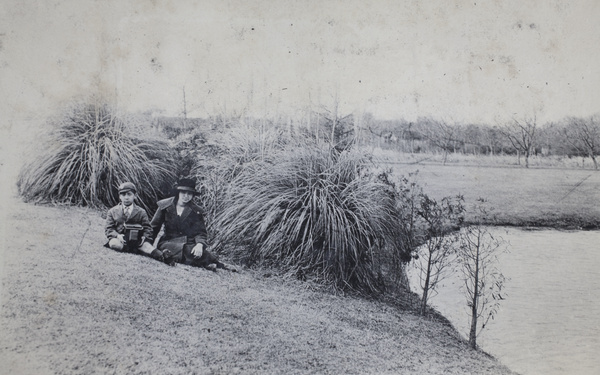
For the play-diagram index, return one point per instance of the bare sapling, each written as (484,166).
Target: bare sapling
(434,257)
(477,254)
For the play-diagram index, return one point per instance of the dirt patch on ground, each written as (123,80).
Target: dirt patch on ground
(71,306)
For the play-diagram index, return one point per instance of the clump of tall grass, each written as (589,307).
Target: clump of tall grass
(89,152)
(315,212)
(219,162)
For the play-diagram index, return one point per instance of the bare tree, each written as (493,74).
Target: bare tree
(436,255)
(477,253)
(341,135)
(440,134)
(184,105)
(184,121)
(584,136)
(522,137)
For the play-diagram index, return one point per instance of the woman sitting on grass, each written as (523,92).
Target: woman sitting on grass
(185,236)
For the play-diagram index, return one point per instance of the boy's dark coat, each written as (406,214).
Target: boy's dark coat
(115,222)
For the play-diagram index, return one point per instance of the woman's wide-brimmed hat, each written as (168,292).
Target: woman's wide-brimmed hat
(186,184)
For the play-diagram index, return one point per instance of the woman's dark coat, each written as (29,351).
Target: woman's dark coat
(189,228)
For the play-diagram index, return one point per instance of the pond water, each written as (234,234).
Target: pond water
(549,323)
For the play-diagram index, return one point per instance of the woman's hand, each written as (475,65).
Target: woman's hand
(198,250)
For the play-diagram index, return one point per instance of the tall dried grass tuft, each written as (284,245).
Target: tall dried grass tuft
(217,163)
(90,151)
(315,212)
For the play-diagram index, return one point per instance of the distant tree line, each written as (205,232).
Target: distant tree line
(572,136)
(521,137)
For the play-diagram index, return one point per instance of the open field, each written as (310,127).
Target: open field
(70,306)
(553,197)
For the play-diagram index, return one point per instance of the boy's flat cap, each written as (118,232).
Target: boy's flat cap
(126,186)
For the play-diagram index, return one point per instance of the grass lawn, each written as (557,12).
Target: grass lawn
(71,306)
(562,198)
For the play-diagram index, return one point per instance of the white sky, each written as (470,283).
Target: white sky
(465,61)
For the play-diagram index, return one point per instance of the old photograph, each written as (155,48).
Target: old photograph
(300,187)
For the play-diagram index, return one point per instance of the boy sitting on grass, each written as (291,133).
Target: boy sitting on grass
(125,216)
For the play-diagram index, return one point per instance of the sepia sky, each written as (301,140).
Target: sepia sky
(464,61)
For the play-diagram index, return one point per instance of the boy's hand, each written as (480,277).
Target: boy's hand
(198,250)
(121,238)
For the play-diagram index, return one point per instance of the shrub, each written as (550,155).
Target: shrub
(186,146)
(314,212)
(411,233)
(89,152)
(218,162)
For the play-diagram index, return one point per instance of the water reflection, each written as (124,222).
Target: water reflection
(549,322)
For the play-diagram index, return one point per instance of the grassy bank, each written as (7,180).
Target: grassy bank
(539,197)
(70,306)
